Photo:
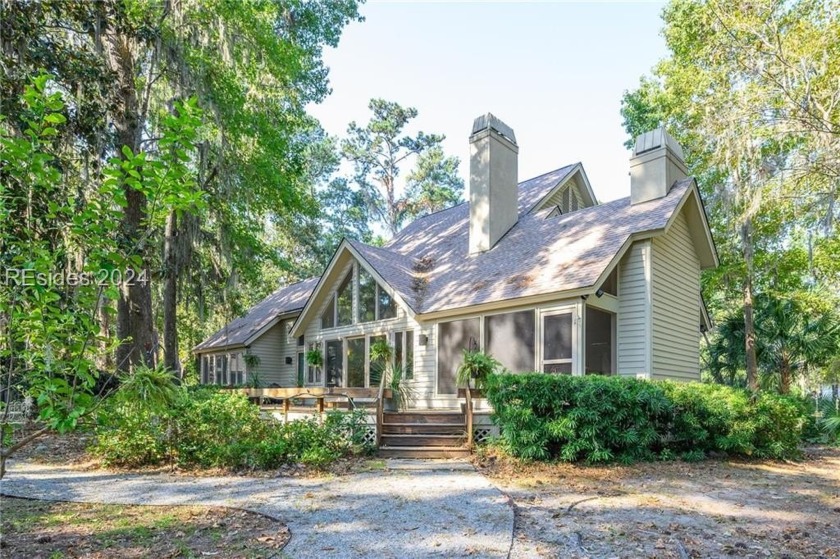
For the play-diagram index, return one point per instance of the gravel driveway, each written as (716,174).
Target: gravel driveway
(410,509)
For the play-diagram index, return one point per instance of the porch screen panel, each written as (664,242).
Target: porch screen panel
(599,342)
(356,362)
(511,339)
(453,338)
(334,363)
(557,343)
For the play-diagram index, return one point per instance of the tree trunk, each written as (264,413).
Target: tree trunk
(785,376)
(170,296)
(134,307)
(749,325)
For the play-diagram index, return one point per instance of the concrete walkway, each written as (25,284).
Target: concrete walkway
(411,509)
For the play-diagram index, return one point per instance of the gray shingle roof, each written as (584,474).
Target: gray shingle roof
(539,255)
(428,263)
(285,300)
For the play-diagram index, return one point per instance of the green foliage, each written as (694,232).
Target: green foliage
(827,426)
(750,92)
(794,332)
(210,428)
(315,358)
(379,150)
(53,246)
(382,360)
(608,419)
(476,367)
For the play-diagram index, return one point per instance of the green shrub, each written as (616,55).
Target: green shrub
(605,419)
(207,427)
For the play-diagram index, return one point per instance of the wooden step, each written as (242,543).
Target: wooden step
(449,418)
(423,440)
(423,429)
(422,452)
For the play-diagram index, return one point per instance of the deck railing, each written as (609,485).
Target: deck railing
(320,394)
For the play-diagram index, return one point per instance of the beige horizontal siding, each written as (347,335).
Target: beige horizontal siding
(633,331)
(676,304)
(272,348)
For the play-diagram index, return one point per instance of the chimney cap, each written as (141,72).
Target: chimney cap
(655,139)
(492,122)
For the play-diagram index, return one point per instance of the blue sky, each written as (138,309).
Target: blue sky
(554,72)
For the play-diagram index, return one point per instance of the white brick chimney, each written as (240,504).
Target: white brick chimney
(657,163)
(493,182)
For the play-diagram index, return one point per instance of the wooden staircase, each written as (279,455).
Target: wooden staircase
(423,434)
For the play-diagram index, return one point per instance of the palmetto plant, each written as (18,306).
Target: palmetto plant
(792,335)
(383,363)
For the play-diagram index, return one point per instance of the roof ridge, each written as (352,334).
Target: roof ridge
(549,172)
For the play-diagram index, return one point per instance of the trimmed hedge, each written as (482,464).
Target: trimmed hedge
(209,428)
(605,419)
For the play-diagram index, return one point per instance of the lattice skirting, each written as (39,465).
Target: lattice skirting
(483,433)
(370,435)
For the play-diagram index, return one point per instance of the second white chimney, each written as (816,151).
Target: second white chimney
(493,182)
(657,163)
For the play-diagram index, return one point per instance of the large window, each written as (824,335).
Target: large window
(367,296)
(386,307)
(377,366)
(223,369)
(301,368)
(356,362)
(557,343)
(334,363)
(404,352)
(314,375)
(237,369)
(373,302)
(511,339)
(344,301)
(328,318)
(453,338)
(599,342)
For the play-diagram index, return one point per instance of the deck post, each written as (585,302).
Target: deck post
(469,412)
(380,411)
(285,410)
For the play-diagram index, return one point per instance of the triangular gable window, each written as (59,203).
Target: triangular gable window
(374,302)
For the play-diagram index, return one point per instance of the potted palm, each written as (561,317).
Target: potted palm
(382,363)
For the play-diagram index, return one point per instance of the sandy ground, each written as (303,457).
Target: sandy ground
(709,509)
(408,509)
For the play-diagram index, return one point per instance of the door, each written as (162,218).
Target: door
(334,363)
(558,342)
